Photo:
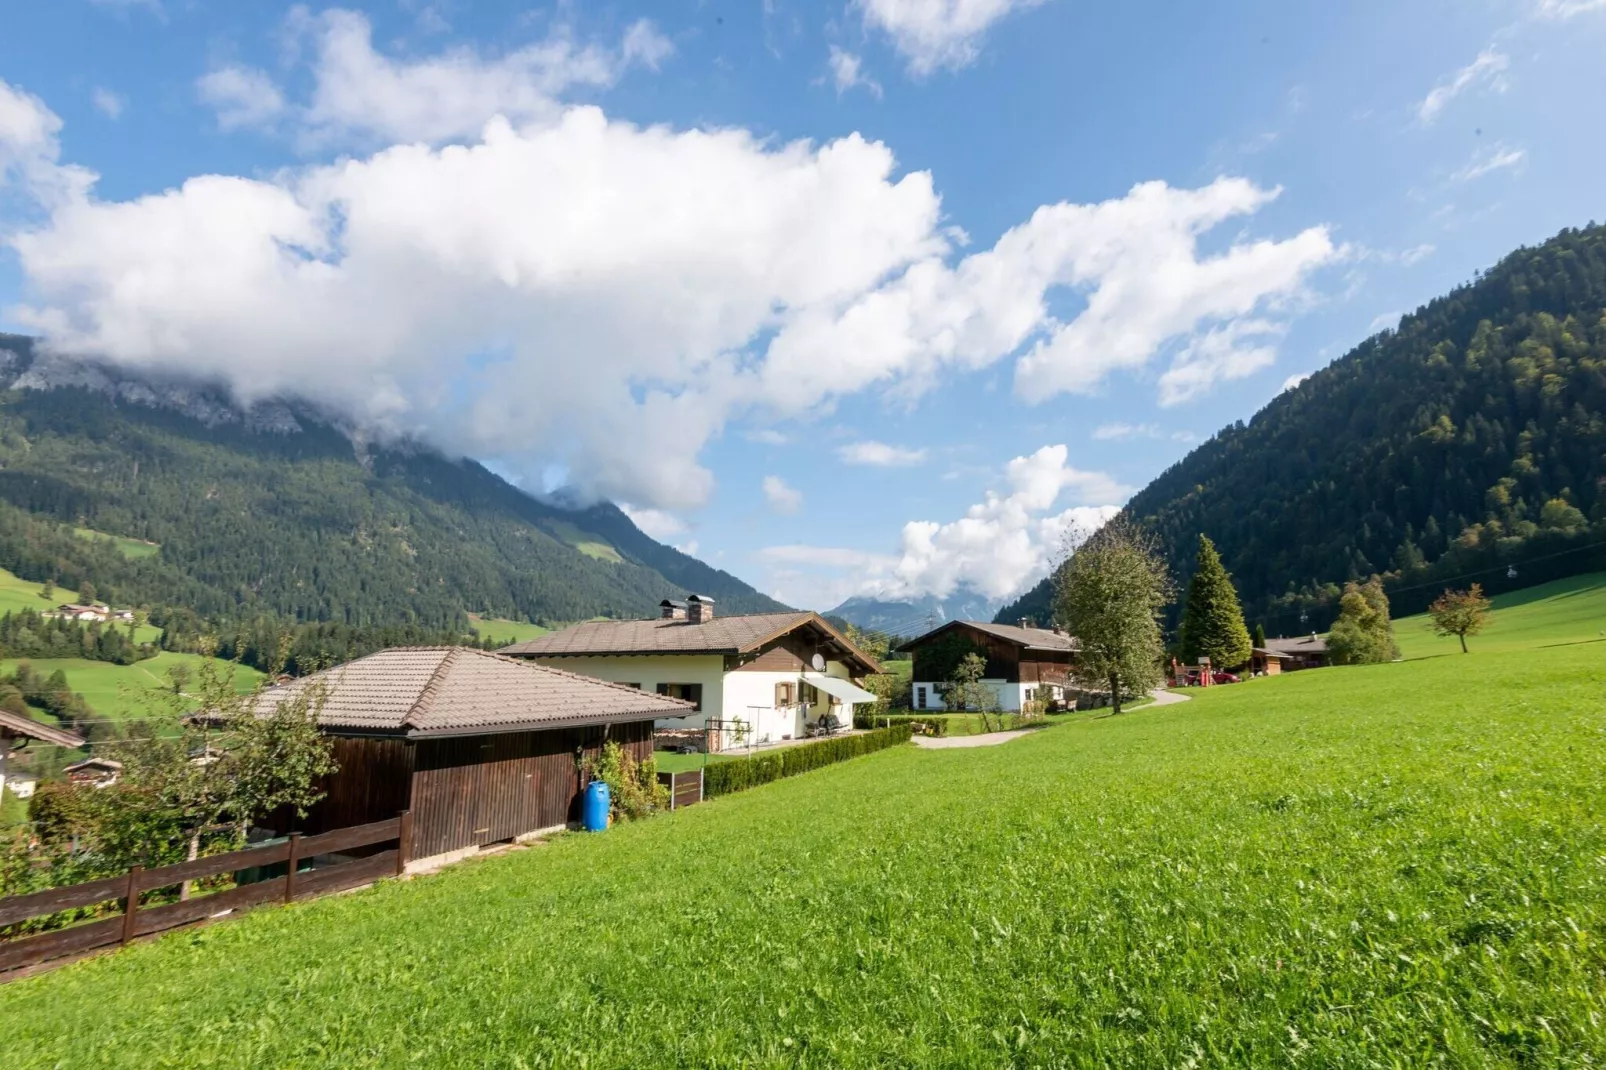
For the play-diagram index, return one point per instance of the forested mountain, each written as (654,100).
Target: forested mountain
(274,512)
(1466,444)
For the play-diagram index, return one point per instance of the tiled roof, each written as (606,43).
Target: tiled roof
(722,635)
(1026,638)
(1302,644)
(452,690)
(15,724)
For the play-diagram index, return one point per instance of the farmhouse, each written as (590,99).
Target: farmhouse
(1304,652)
(17,731)
(96,772)
(755,679)
(1023,663)
(482,749)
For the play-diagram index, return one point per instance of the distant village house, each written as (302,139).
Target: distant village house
(1024,663)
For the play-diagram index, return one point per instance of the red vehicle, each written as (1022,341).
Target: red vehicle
(1221,677)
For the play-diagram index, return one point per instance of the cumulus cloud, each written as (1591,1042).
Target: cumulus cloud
(1294,380)
(1233,351)
(1494,158)
(879,455)
(1488,69)
(581,292)
(936,34)
(656,523)
(241,96)
(1005,543)
(847,72)
(781,497)
(361,94)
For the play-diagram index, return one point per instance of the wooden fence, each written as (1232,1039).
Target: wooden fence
(684,788)
(137,921)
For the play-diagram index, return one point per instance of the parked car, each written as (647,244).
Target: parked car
(1221,677)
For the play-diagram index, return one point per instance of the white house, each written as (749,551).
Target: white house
(759,678)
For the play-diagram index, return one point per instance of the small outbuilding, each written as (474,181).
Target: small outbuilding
(480,748)
(1301,652)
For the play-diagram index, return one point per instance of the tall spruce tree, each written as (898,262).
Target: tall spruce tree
(1212,620)
(1258,636)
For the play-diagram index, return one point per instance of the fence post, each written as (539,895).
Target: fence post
(404,842)
(672,777)
(131,901)
(295,860)
(701,779)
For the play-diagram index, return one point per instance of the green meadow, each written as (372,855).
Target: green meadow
(1387,866)
(1565,611)
(506,632)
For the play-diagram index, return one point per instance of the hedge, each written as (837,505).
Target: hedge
(722,778)
(947,724)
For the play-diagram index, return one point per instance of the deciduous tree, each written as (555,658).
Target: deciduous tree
(1109,594)
(1363,633)
(1461,613)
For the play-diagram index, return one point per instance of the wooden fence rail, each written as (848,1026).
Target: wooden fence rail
(136,920)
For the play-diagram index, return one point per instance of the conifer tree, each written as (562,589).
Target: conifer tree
(1212,620)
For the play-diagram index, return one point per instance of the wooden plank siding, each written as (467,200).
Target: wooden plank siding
(469,791)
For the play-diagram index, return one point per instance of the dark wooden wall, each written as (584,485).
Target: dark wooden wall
(474,790)
(373,782)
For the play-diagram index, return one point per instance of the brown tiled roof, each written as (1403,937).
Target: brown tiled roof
(722,635)
(1026,638)
(424,691)
(1302,644)
(15,724)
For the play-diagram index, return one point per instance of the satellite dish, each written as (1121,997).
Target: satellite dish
(818,661)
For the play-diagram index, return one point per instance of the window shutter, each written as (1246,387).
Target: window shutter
(694,693)
(663,689)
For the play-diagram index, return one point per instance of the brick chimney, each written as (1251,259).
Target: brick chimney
(699,608)
(669,609)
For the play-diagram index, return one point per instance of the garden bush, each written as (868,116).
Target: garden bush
(722,778)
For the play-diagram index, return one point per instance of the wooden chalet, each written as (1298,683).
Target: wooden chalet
(1024,663)
(481,748)
(1303,652)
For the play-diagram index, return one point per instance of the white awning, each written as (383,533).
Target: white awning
(845,690)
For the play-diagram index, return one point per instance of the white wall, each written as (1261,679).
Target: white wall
(1010,697)
(650,670)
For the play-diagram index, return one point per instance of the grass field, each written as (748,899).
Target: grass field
(1566,611)
(123,692)
(506,631)
(129,548)
(1393,865)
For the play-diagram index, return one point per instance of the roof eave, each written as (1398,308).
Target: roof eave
(540,726)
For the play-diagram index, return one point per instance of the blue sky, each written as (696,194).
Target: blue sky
(869,297)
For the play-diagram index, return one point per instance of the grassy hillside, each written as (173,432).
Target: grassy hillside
(123,692)
(1564,611)
(1379,866)
(506,632)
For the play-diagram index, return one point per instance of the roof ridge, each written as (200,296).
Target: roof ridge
(426,697)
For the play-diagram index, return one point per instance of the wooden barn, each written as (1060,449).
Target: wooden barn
(481,748)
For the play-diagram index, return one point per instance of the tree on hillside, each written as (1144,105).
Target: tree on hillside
(47,590)
(1461,613)
(1212,620)
(86,593)
(1363,633)
(1109,595)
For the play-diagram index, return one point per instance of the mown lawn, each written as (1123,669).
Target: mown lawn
(1399,865)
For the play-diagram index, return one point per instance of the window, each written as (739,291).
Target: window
(784,695)
(692,693)
(920,698)
(811,695)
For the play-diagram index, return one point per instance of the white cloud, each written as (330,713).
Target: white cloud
(1494,158)
(1233,351)
(1384,321)
(847,71)
(767,436)
(1416,254)
(1109,432)
(1293,381)
(936,34)
(1007,542)
(242,97)
(655,523)
(1566,9)
(880,455)
(826,557)
(1488,69)
(583,293)
(108,103)
(781,497)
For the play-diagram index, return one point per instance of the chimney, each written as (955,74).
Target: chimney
(699,608)
(1026,622)
(669,609)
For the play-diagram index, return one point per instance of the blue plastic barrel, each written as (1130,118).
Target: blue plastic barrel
(594,808)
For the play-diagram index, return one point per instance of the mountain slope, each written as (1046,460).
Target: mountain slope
(273,511)
(909,618)
(1472,436)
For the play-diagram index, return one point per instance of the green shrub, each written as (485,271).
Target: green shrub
(948,724)
(722,778)
(633,788)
